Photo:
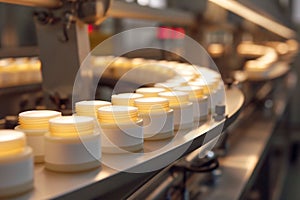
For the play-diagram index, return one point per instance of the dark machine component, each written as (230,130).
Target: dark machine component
(93,12)
(63,39)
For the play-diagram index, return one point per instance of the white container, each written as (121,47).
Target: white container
(200,102)
(121,129)
(211,81)
(157,116)
(203,108)
(72,144)
(36,140)
(16,164)
(183,116)
(35,125)
(183,109)
(209,90)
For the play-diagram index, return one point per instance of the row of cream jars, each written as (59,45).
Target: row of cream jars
(208,79)
(121,129)
(72,144)
(16,164)
(158,122)
(158,117)
(178,101)
(35,124)
(200,104)
(199,100)
(109,130)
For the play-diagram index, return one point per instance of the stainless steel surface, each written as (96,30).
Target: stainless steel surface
(249,147)
(241,162)
(50,184)
(35,3)
(130,10)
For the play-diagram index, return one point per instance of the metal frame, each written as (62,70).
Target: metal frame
(130,10)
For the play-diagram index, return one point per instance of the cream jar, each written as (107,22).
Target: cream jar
(158,119)
(125,99)
(200,102)
(72,144)
(121,129)
(150,91)
(16,164)
(35,124)
(208,90)
(183,109)
(89,108)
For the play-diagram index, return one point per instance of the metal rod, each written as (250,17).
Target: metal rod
(256,18)
(35,3)
(130,10)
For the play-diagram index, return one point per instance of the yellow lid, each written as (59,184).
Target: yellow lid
(11,142)
(152,104)
(117,114)
(125,99)
(175,97)
(71,126)
(181,81)
(150,91)
(195,92)
(37,119)
(186,78)
(90,108)
(167,85)
(202,84)
(188,73)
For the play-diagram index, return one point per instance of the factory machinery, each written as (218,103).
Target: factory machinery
(239,151)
